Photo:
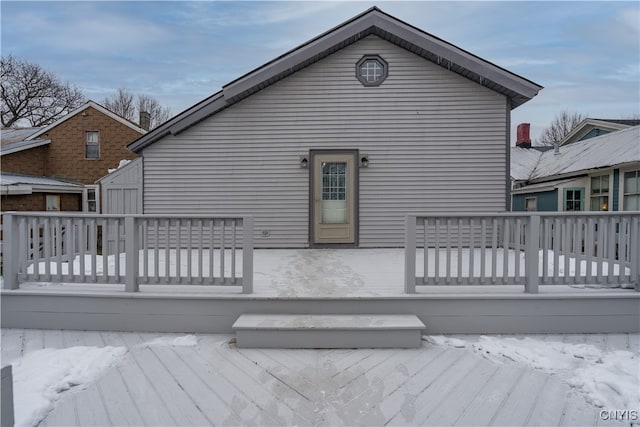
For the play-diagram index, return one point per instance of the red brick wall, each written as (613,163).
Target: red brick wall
(37,202)
(28,162)
(66,157)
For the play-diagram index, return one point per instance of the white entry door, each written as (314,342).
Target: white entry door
(334,198)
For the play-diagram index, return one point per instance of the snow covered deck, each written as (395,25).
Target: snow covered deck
(323,281)
(72,378)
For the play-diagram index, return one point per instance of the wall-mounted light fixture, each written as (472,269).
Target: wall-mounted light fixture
(364,160)
(304,162)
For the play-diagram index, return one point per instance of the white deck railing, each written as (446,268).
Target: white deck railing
(127,249)
(530,250)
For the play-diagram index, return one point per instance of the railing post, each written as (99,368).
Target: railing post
(531,255)
(6,388)
(410,254)
(247,254)
(132,256)
(11,251)
(634,251)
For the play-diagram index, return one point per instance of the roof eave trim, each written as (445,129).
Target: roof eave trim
(377,19)
(34,144)
(80,109)
(182,121)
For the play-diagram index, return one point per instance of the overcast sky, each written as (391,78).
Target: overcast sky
(585,54)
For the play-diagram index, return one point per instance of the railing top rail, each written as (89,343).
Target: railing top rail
(524,214)
(144,216)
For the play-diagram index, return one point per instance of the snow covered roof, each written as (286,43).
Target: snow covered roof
(12,183)
(523,162)
(14,147)
(616,148)
(10,135)
(371,22)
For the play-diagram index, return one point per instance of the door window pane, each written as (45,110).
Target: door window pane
(334,193)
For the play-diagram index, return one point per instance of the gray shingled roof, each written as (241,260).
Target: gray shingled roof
(373,21)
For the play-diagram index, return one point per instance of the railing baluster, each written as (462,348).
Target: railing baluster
(589,243)
(600,246)
(566,241)
(556,249)
(459,270)
(156,250)
(116,252)
(233,251)
(472,249)
(622,250)
(436,257)
(425,252)
(22,249)
(167,250)
(69,249)
(35,246)
(577,249)
(178,251)
(611,244)
(223,229)
(105,250)
(546,246)
(58,245)
(505,249)
(517,249)
(82,246)
(212,245)
(47,249)
(494,250)
(448,241)
(144,246)
(189,242)
(201,252)
(483,248)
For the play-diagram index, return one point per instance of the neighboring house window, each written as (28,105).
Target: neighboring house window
(92,145)
(573,199)
(53,202)
(371,70)
(631,189)
(91,199)
(600,193)
(531,204)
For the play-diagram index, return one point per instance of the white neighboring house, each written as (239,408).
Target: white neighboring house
(597,174)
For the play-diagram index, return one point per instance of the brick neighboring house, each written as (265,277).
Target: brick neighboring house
(56,167)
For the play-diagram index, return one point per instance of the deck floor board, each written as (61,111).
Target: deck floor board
(215,383)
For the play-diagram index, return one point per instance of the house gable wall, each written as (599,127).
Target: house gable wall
(436,142)
(66,156)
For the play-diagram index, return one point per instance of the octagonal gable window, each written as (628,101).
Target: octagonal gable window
(371,70)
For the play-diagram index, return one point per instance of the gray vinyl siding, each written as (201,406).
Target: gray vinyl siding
(437,142)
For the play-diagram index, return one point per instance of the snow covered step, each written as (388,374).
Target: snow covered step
(328,331)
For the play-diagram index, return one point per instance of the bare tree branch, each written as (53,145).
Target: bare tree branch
(129,106)
(33,94)
(560,126)
(159,114)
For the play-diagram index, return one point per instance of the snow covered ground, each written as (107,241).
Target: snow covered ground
(603,369)
(331,272)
